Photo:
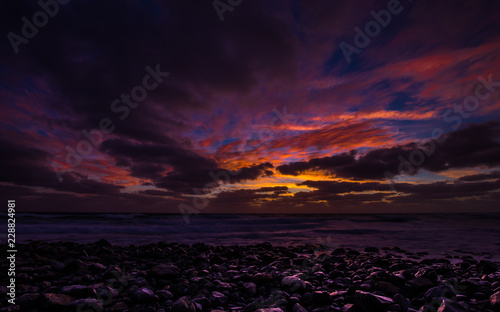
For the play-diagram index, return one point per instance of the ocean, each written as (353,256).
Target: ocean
(437,234)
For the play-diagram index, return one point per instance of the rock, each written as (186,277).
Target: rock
(106,293)
(298,308)
(338,293)
(366,301)
(251,307)
(97,267)
(204,302)
(11,308)
(270,310)
(78,291)
(262,279)
(119,306)
(495,301)
(250,288)
(218,299)
(56,302)
(85,305)
(76,265)
(486,267)
(420,284)
(444,291)
(431,274)
(113,271)
(219,268)
(164,294)
(183,305)
(142,309)
(448,305)
(165,271)
(321,298)
(57,266)
(403,302)
(371,249)
(293,282)
(223,286)
(28,301)
(349,308)
(103,243)
(386,287)
(144,294)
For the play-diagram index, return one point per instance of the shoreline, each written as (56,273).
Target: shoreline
(158,277)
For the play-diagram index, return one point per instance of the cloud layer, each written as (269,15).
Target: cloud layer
(261,109)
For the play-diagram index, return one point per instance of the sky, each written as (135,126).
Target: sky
(250,106)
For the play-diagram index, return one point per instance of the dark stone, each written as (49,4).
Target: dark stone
(78,291)
(141,309)
(56,302)
(164,295)
(349,308)
(369,302)
(204,302)
(250,288)
(119,306)
(420,284)
(371,249)
(76,265)
(298,308)
(321,298)
(386,287)
(403,302)
(57,266)
(338,251)
(97,267)
(165,271)
(448,305)
(103,243)
(85,305)
(218,299)
(444,291)
(11,308)
(431,274)
(28,301)
(144,295)
(486,267)
(183,305)
(293,282)
(262,279)
(495,301)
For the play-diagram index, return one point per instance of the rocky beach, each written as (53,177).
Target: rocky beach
(68,276)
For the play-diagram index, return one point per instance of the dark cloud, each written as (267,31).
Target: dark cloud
(474,146)
(481,177)
(178,169)
(428,190)
(252,172)
(29,166)
(91,53)
(158,193)
(272,189)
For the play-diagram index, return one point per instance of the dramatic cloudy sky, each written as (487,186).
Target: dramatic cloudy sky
(259,112)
